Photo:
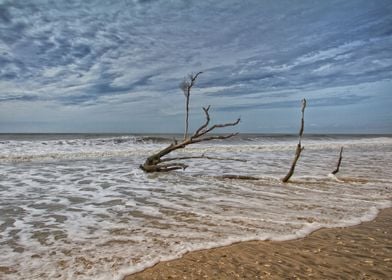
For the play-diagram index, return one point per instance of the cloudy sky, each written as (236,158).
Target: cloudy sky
(116,66)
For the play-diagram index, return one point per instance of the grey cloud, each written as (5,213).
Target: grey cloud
(5,16)
(19,98)
(313,102)
(90,50)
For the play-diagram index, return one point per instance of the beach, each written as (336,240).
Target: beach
(77,206)
(358,252)
(186,139)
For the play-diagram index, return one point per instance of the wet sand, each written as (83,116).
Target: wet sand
(358,252)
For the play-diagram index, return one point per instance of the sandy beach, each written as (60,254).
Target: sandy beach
(359,252)
(79,207)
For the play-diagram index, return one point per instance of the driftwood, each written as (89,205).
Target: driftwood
(299,148)
(339,162)
(238,177)
(157,162)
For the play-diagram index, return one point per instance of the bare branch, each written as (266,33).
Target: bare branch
(223,125)
(216,137)
(206,122)
(157,162)
(299,148)
(163,167)
(201,133)
(238,177)
(301,131)
(194,77)
(186,87)
(339,162)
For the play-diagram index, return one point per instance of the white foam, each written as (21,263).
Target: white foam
(102,209)
(333,177)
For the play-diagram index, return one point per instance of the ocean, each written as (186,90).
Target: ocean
(77,206)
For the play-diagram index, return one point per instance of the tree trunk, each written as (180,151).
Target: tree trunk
(299,148)
(339,162)
(186,87)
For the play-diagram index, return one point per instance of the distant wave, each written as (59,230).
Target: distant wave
(83,138)
(64,156)
(120,146)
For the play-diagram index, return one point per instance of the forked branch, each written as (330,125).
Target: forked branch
(158,163)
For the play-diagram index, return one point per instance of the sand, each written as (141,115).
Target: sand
(358,252)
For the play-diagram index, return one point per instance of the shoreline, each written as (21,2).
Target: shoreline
(362,251)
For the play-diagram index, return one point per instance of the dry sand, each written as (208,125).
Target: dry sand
(359,252)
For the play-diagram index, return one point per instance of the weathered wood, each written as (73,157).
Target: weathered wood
(238,177)
(299,148)
(156,162)
(339,162)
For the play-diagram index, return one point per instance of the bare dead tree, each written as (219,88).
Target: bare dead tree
(186,87)
(339,162)
(158,162)
(299,148)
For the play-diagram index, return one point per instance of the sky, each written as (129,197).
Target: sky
(115,66)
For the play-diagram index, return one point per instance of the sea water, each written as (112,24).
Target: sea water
(79,207)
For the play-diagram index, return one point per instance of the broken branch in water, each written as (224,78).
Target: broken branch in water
(238,177)
(299,148)
(339,162)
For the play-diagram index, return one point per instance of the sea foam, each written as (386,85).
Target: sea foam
(82,209)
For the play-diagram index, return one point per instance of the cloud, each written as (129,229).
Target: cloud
(313,102)
(19,98)
(91,53)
